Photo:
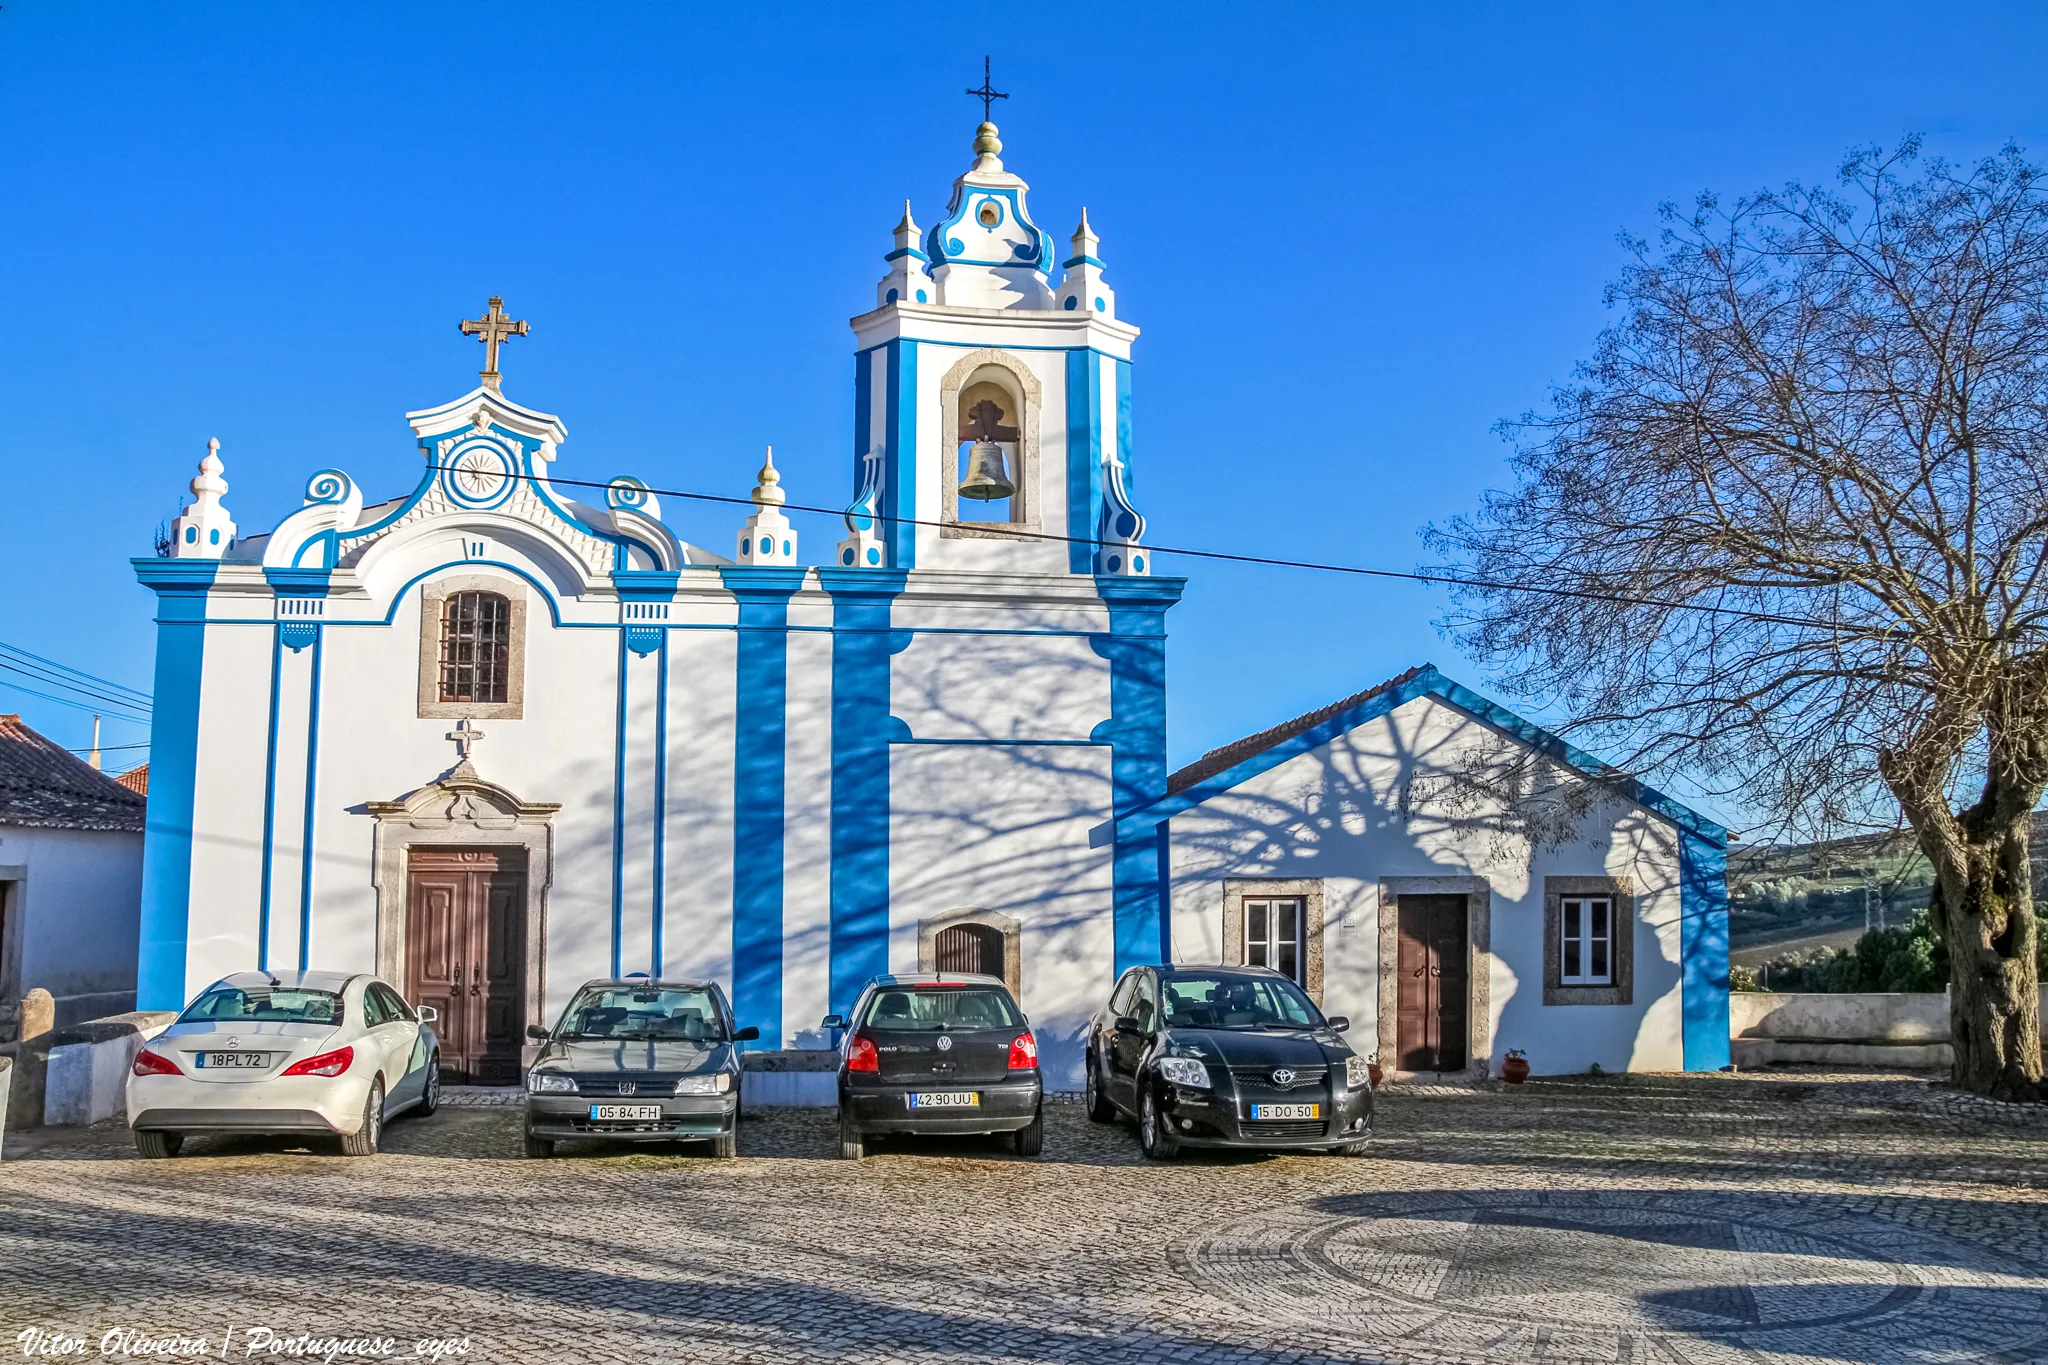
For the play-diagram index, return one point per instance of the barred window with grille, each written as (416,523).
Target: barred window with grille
(476,647)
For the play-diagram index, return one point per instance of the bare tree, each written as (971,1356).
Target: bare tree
(1787,529)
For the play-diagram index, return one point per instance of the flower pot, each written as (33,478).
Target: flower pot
(1373,1072)
(1515,1070)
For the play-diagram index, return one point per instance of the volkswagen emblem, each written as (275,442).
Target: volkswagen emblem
(627,1087)
(945,1043)
(1283,1077)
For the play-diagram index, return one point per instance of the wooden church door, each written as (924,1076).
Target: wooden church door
(1430,1019)
(465,954)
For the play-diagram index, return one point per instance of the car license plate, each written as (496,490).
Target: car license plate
(1287,1111)
(233,1061)
(946,1099)
(624,1113)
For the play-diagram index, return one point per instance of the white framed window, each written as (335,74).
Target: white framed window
(1585,941)
(1272,934)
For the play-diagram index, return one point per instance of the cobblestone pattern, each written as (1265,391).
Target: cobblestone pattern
(1634,1218)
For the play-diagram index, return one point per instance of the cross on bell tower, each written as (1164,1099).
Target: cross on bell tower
(988,94)
(493,328)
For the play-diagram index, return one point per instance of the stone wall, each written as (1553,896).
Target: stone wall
(1850,1029)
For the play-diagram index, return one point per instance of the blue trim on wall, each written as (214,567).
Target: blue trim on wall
(899,466)
(760,813)
(1123,426)
(619,817)
(660,804)
(863,412)
(1136,730)
(1426,682)
(312,804)
(269,800)
(862,730)
(1703,951)
(181,586)
(1084,457)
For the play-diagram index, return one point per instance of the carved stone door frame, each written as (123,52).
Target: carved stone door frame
(461,810)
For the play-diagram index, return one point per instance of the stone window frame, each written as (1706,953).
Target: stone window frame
(1621,892)
(1478,894)
(1309,890)
(433,600)
(1012,930)
(1025,512)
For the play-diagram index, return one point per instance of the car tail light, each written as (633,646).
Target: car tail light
(326,1064)
(1023,1052)
(149,1063)
(861,1054)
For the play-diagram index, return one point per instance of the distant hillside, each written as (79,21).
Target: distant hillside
(1799,896)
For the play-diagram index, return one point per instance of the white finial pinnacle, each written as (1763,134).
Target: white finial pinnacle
(204,530)
(767,489)
(208,485)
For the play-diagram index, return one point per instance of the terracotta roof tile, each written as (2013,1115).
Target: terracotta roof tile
(135,780)
(1230,755)
(43,785)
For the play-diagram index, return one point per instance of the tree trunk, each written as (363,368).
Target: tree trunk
(1983,904)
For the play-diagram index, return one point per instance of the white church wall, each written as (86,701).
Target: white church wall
(227,807)
(1000,686)
(637,806)
(697,902)
(1363,808)
(1004,828)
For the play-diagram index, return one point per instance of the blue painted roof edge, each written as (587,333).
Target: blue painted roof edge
(1427,682)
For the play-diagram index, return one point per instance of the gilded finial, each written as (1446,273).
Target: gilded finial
(766,489)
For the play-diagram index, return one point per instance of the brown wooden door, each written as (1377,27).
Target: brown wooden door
(969,948)
(1430,1004)
(465,954)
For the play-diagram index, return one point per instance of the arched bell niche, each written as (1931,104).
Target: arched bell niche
(989,394)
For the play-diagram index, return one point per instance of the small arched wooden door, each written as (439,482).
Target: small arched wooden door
(969,948)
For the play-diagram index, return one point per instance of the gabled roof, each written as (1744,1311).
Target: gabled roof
(135,779)
(1221,769)
(42,785)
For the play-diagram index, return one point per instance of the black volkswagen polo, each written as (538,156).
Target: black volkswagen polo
(938,1053)
(1226,1057)
(639,1061)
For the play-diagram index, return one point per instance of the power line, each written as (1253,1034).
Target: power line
(107,748)
(99,699)
(1444,580)
(80,673)
(90,707)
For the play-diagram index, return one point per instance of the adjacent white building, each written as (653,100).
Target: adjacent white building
(506,732)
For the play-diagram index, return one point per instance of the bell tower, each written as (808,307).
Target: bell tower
(992,395)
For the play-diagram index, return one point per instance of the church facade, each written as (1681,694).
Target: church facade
(507,732)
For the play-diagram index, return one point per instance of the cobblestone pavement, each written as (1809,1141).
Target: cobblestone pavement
(1785,1217)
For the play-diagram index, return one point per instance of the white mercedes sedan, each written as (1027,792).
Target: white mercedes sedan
(326,1053)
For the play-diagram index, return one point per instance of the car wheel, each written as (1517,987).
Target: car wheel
(363,1141)
(430,1093)
(1100,1110)
(539,1149)
(726,1145)
(1030,1139)
(1153,1138)
(852,1146)
(158,1146)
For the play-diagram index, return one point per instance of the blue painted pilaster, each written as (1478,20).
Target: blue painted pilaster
(899,469)
(1084,456)
(862,645)
(1136,733)
(1703,950)
(646,597)
(760,734)
(181,587)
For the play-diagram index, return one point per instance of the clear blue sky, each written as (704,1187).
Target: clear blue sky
(1355,236)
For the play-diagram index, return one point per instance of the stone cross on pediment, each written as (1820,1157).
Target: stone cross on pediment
(493,329)
(465,736)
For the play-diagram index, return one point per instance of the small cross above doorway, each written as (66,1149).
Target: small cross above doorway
(465,736)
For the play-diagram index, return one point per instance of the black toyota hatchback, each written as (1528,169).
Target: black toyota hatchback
(938,1053)
(1226,1057)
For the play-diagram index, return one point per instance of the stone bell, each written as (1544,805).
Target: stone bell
(988,476)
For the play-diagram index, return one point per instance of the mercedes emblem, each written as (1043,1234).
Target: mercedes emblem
(627,1087)
(1283,1077)
(234,1042)
(945,1043)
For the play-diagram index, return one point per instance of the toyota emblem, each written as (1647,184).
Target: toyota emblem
(945,1043)
(627,1087)
(1283,1077)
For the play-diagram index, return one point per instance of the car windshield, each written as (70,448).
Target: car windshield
(263,1004)
(950,1008)
(639,1013)
(1238,1002)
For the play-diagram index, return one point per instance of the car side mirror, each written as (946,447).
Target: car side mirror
(1338,1022)
(1126,1024)
(746,1035)
(427,1014)
(833,1021)
(536,1034)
